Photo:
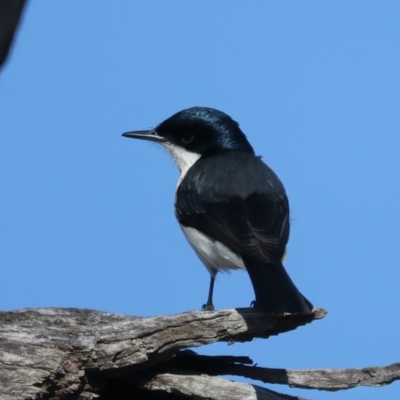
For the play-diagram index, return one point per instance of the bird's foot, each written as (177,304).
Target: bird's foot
(208,307)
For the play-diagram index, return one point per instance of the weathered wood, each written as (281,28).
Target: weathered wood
(56,352)
(210,388)
(321,379)
(83,354)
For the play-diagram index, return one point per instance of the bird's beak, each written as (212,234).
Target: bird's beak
(145,135)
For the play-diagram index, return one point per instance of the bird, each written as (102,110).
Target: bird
(232,208)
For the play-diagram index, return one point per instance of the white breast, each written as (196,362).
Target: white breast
(214,254)
(183,158)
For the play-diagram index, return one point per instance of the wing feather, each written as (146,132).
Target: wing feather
(246,208)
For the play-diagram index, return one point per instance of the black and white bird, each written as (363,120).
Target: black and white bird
(231,206)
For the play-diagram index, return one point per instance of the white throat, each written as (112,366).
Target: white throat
(183,158)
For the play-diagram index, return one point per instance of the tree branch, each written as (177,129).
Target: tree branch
(210,388)
(10,15)
(321,379)
(60,352)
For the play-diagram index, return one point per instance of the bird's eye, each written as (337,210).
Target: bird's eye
(187,138)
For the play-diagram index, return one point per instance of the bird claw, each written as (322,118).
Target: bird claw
(207,307)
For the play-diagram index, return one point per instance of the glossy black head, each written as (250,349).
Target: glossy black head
(202,130)
(198,130)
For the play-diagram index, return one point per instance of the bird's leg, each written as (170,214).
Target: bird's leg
(209,306)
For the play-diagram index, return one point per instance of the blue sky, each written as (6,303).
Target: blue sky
(87,215)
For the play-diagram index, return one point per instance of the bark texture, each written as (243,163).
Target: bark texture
(82,354)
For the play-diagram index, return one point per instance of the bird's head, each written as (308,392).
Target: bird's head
(194,132)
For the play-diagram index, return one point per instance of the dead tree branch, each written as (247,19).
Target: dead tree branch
(321,379)
(82,354)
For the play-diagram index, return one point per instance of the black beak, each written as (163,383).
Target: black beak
(145,135)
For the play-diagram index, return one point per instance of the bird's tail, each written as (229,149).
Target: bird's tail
(275,292)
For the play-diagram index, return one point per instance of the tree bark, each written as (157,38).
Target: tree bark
(321,379)
(81,354)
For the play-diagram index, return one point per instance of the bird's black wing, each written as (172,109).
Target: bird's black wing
(235,198)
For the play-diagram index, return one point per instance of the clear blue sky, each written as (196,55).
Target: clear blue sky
(87,216)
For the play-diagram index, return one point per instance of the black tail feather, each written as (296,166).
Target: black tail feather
(274,290)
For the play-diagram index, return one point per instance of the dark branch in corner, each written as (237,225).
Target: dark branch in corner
(10,15)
